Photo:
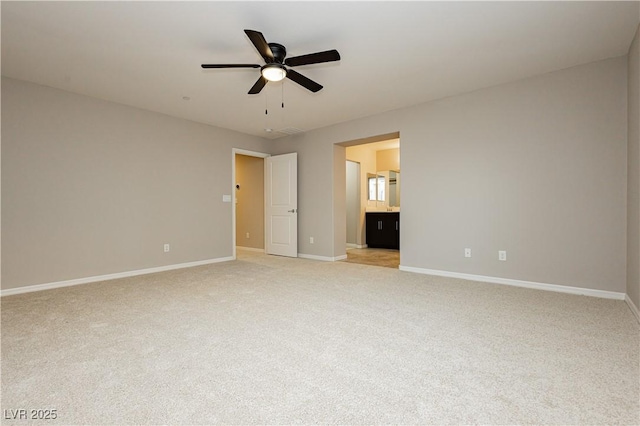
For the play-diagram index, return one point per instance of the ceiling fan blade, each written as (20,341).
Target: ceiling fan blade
(230,66)
(303,81)
(261,45)
(257,87)
(313,58)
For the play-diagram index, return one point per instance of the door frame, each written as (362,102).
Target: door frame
(235,151)
(340,181)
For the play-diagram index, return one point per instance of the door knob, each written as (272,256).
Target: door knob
(292,211)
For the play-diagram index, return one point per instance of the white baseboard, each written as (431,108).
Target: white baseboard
(322,258)
(632,306)
(519,283)
(357,246)
(87,280)
(259,250)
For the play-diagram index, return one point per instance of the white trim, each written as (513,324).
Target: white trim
(519,283)
(250,249)
(97,278)
(356,246)
(322,258)
(249,153)
(632,306)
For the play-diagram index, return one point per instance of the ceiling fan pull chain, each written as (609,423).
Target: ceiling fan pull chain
(266,112)
(282,110)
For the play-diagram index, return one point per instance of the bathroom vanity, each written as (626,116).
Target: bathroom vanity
(383,229)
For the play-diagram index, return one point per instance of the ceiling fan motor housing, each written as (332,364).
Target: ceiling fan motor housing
(279,52)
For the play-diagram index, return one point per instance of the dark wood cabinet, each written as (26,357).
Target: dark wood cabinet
(383,230)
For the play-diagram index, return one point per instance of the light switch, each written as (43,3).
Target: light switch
(226,198)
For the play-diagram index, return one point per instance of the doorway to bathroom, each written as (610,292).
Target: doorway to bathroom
(373,203)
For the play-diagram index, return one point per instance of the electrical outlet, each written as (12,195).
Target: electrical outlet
(467,252)
(310,240)
(502,255)
(247,235)
(166,248)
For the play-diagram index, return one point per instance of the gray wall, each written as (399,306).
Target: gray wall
(91,187)
(315,193)
(633,173)
(535,167)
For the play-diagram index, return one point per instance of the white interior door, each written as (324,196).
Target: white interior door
(281,199)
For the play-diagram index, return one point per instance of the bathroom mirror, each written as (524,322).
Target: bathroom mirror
(386,187)
(383,188)
(376,184)
(394,188)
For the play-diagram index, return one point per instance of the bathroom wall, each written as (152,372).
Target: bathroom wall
(388,159)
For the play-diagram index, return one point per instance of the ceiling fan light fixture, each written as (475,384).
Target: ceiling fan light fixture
(273,72)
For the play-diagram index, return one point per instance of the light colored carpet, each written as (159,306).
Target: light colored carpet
(267,339)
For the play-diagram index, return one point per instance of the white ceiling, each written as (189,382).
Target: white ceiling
(394,54)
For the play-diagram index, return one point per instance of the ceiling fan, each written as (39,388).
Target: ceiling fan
(275,70)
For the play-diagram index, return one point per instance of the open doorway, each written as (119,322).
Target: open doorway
(376,237)
(264,204)
(248,201)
